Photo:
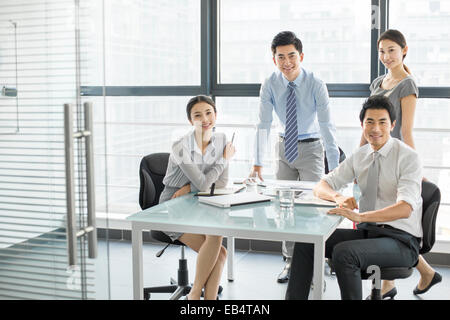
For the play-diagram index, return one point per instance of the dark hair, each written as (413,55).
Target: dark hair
(377,102)
(200,98)
(397,37)
(285,38)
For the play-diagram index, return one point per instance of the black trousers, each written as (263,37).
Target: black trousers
(351,251)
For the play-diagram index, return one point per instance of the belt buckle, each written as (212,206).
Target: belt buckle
(309,140)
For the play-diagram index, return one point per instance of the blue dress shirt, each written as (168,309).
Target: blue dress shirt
(313,113)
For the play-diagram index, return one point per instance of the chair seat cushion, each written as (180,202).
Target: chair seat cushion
(162,237)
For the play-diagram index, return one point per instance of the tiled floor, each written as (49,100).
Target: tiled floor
(255,275)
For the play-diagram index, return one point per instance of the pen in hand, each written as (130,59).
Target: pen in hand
(229,150)
(213,186)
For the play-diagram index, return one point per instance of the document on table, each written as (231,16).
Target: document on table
(307,198)
(235,199)
(303,185)
(271,183)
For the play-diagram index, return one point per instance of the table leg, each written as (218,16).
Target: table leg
(136,243)
(230,258)
(319,265)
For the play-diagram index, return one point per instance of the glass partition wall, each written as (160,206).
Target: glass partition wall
(48,246)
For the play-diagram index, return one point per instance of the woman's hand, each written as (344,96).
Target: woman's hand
(182,191)
(229,151)
(346,202)
(347,213)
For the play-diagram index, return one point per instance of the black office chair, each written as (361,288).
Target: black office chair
(431,196)
(341,158)
(151,174)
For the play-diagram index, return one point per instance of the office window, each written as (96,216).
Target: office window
(240,115)
(441,177)
(336,40)
(147,43)
(432,138)
(345,114)
(127,130)
(432,132)
(335,37)
(427,32)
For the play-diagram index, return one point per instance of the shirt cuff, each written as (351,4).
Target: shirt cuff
(330,182)
(332,164)
(257,163)
(409,200)
(193,188)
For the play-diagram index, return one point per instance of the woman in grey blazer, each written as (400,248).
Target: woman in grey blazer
(400,87)
(199,159)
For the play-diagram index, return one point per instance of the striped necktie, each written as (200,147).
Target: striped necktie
(369,197)
(291,133)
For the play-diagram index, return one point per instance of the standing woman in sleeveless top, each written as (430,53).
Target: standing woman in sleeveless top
(400,87)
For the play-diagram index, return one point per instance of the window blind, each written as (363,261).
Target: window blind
(38,57)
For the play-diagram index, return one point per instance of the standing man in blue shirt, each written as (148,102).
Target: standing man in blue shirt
(300,100)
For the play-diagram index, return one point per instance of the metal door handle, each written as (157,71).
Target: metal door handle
(71,230)
(90,185)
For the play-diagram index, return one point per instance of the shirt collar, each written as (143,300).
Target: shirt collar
(297,80)
(384,150)
(194,146)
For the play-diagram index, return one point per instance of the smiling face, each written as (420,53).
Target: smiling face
(377,127)
(391,53)
(203,116)
(288,60)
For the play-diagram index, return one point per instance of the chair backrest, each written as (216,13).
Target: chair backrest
(431,196)
(341,158)
(151,174)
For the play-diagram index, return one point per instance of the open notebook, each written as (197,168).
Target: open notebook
(234,199)
(220,191)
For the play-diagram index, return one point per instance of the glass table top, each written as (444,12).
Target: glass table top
(265,216)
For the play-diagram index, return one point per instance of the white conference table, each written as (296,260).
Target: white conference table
(260,221)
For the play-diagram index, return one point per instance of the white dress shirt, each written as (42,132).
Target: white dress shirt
(313,112)
(400,178)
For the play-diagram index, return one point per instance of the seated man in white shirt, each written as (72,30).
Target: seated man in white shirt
(389,230)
